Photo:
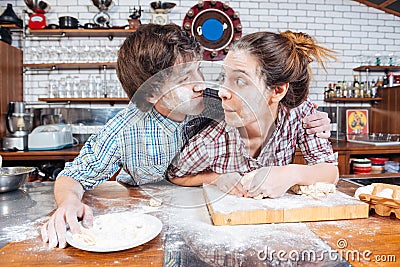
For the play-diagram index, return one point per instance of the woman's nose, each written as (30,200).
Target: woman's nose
(224,94)
(199,87)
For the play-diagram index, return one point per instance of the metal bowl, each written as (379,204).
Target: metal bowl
(11,178)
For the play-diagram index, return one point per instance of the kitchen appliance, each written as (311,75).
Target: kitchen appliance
(134,18)
(5,35)
(9,17)
(102,18)
(18,124)
(37,20)
(68,22)
(50,137)
(161,10)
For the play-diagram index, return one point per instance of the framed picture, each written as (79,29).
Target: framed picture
(357,121)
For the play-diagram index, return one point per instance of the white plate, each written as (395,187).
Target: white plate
(136,230)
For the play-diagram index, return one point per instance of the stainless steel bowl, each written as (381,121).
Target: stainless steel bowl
(11,178)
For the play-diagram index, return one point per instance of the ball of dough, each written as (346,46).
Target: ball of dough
(246,182)
(155,202)
(386,193)
(316,190)
(364,190)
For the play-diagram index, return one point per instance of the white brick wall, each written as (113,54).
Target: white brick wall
(352,29)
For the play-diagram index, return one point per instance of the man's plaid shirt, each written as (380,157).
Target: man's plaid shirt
(219,147)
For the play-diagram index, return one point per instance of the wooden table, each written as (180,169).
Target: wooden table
(380,236)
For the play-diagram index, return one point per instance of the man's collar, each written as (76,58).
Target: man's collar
(167,124)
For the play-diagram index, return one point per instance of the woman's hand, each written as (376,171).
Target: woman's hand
(319,124)
(230,183)
(272,182)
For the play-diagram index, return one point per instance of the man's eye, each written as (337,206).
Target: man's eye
(184,79)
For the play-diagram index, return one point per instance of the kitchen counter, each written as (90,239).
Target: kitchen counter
(345,151)
(188,238)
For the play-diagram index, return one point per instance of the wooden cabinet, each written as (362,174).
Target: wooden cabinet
(346,151)
(385,115)
(10,80)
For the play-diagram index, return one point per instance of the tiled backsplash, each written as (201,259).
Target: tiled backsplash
(350,28)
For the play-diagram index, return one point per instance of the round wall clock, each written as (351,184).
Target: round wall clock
(215,25)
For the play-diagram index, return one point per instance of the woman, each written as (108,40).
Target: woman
(264,93)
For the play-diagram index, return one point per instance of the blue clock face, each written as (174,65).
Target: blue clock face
(212,29)
(215,26)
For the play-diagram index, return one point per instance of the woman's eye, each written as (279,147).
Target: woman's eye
(240,82)
(222,78)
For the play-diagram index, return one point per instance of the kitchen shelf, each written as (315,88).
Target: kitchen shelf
(378,68)
(10,26)
(353,99)
(64,66)
(110,100)
(110,33)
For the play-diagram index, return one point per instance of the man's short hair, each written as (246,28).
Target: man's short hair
(149,50)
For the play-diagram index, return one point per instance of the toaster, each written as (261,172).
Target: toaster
(50,137)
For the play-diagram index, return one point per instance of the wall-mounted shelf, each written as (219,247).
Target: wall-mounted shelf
(10,26)
(378,68)
(110,33)
(110,100)
(64,66)
(353,99)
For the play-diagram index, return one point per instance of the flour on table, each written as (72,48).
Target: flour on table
(112,228)
(316,190)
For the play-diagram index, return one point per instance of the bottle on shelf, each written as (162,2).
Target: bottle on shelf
(356,83)
(338,89)
(349,87)
(356,87)
(344,89)
(390,79)
(362,90)
(326,93)
(385,81)
(379,83)
(331,92)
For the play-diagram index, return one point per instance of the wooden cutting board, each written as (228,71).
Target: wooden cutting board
(227,209)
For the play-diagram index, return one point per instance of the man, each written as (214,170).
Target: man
(144,137)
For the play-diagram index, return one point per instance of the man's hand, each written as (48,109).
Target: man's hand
(67,213)
(230,183)
(319,124)
(270,181)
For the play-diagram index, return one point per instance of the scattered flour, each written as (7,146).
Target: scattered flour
(225,203)
(18,233)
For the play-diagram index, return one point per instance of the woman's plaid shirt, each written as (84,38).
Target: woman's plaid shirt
(219,147)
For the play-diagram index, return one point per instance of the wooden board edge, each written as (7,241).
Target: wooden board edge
(343,212)
(236,218)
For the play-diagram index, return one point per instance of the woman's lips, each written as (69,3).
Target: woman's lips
(226,109)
